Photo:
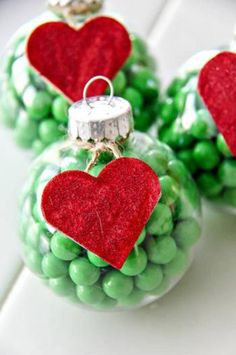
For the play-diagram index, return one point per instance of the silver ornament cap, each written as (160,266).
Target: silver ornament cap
(100,118)
(75,7)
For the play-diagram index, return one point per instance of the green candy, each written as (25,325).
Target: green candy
(145,81)
(206,155)
(176,136)
(133,299)
(53,267)
(161,250)
(134,97)
(176,266)
(51,90)
(33,260)
(37,103)
(165,135)
(187,233)
(49,131)
(158,161)
(117,285)
(160,221)
(26,131)
(199,129)
(119,83)
(227,173)
(188,204)
(96,260)
(178,171)
(162,288)
(180,100)
(186,156)
(90,294)
(175,86)
(169,189)
(135,263)
(63,286)
(60,108)
(82,272)
(63,247)
(150,278)
(222,146)
(168,112)
(203,127)
(209,185)
(142,237)
(142,119)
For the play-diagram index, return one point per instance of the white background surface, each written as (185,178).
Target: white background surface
(199,315)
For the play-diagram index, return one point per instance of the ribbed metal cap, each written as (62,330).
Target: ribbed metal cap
(99,118)
(75,7)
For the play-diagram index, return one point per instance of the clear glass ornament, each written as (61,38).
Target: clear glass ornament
(37,113)
(187,127)
(164,249)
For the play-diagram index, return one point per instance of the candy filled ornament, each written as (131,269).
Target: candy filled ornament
(36,88)
(109,217)
(198,122)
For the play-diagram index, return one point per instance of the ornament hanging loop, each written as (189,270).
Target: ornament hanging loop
(92,80)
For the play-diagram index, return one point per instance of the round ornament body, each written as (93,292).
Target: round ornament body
(160,256)
(188,127)
(37,112)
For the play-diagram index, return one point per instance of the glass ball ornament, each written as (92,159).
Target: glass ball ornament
(187,126)
(161,254)
(36,112)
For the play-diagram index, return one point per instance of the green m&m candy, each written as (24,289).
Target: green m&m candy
(135,263)
(63,247)
(90,294)
(150,278)
(82,272)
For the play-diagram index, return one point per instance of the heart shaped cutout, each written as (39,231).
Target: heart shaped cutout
(217,87)
(104,214)
(68,58)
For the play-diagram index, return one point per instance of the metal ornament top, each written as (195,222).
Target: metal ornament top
(75,7)
(100,118)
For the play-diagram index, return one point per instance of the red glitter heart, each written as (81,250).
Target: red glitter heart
(69,57)
(217,87)
(104,214)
